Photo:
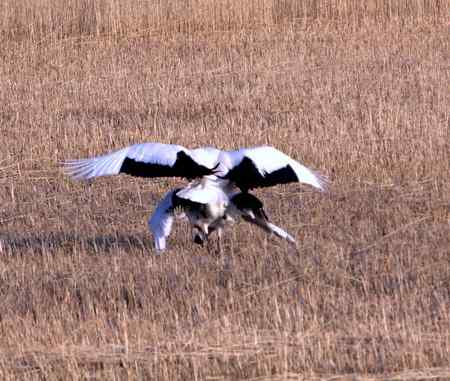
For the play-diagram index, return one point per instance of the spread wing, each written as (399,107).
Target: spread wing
(146,160)
(265,166)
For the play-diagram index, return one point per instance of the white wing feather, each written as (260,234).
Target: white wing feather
(156,153)
(161,221)
(207,156)
(105,165)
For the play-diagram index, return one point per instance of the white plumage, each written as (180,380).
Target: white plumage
(220,193)
(160,223)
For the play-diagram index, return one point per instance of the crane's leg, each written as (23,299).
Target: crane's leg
(251,210)
(219,240)
(201,234)
(260,219)
(217,226)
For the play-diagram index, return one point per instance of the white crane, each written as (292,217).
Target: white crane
(219,192)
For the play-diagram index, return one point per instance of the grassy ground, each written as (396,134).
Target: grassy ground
(359,93)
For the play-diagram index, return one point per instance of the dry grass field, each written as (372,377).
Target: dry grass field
(356,90)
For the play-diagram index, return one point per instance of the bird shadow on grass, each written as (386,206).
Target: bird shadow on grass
(73,243)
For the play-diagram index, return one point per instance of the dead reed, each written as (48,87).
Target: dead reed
(358,90)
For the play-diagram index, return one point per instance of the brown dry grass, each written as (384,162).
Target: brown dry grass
(357,91)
